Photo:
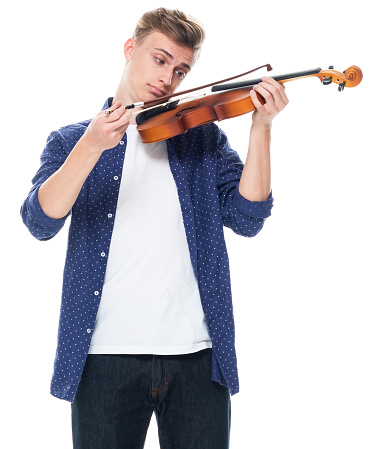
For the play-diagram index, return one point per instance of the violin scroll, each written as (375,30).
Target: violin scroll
(351,77)
(354,75)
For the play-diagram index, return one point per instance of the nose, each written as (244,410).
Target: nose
(166,76)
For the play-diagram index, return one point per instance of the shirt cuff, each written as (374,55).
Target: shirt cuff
(254,209)
(40,217)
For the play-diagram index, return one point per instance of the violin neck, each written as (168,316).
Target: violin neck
(280,78)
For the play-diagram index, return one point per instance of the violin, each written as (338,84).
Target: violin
(172,118)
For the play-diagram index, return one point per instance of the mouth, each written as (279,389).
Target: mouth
(156,91)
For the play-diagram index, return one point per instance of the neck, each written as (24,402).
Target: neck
(122,94)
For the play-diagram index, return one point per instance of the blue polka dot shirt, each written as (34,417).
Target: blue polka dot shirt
(206,172)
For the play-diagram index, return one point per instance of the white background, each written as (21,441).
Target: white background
(307,290)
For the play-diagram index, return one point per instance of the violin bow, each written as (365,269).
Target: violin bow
(166,97)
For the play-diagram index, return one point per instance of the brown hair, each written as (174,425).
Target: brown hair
(176,25)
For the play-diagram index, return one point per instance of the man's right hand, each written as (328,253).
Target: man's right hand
(105,131)
(59,192)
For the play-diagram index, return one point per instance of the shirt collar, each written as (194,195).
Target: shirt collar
(108,103)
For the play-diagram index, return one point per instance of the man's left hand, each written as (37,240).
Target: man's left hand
(275,101)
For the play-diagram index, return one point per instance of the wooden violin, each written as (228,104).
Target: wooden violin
(174,117)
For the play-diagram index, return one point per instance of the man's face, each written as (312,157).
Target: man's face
(156,66)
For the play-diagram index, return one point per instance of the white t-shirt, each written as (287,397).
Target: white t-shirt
(150,301)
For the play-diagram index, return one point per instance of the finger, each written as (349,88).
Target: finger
(277,89)
(112,110)
(122,116)
(265,93)
(257,99)
(273,94)
(122,124)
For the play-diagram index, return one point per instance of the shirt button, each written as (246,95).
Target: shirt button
(89,331)
(110,215)
(122,142)
(96,293)
(115,178)
(103,254)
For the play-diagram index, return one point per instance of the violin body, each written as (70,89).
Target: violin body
(233,100)
(197,112)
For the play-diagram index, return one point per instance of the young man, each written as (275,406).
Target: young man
(146,320)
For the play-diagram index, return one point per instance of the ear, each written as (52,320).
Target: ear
(128,48)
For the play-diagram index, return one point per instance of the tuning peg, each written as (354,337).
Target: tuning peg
(326,81)
(331,67)
(341,86)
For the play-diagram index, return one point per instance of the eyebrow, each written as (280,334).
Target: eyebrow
(187,66)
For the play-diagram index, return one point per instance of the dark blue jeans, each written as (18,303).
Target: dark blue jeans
(118,394)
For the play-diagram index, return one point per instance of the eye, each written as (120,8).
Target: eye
(159,60)
(180,74)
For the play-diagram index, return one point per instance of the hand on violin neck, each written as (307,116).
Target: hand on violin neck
(269,98)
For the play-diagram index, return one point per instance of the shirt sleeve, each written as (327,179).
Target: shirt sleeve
(244,217)
(38,223)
